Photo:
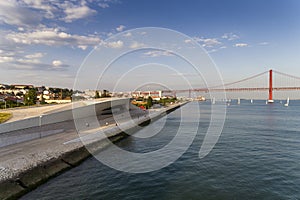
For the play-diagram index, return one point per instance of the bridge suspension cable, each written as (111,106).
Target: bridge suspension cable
(265,85)
(288,75)
(246,79)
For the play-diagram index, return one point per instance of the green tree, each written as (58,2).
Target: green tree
(66,93)
(42,101)
(149,102)
(97,94)
(105,93)
(30,97)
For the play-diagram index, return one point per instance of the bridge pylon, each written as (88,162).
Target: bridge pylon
(270,100)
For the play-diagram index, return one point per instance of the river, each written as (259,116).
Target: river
(256,157)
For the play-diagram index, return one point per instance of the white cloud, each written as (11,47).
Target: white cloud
(128,34)
(188,41)
(109,34)
(241,45)
(44,6)
(83,47)
(115,44)
(157,53)
(35,55)
(212,51)
(31,13)
(53,37)
(11,12)
(230,36)
(7,52)
(106,3)
(208,42)
(5,59)
(35,65)
(77,12)
(56,63)
(29,61)
(263,43)
(120,28)
(103,5)
(136,45)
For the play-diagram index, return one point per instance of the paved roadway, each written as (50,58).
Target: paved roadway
(17,158)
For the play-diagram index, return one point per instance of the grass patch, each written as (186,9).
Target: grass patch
(4,117)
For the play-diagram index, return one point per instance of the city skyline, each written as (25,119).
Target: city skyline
(44,43)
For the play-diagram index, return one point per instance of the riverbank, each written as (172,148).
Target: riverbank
(25,166)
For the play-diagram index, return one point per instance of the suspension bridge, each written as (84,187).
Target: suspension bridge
(268,85)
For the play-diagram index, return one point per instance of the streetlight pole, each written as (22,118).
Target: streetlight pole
(40,125)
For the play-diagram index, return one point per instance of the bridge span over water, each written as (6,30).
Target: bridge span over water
(269,85)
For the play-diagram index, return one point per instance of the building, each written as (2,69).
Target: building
(155,95)
(22,87)
(92,93)
(4,86)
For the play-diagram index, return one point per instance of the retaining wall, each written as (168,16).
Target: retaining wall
(18,131)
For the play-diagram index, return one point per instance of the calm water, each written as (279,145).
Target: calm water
(256,157)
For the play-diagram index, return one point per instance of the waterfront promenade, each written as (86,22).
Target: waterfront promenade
(26,165)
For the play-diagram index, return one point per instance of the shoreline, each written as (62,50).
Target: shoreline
(35,176)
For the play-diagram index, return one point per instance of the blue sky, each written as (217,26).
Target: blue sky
(44,42)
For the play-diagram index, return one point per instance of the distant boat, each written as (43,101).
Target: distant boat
(251,100)
(213,101)
(287,102)
(239,101)
(270,101)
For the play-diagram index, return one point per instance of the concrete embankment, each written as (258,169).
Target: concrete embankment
(71,155)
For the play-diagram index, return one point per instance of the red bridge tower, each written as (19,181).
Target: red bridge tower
(270,100)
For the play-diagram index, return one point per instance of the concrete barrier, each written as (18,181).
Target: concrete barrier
(18,131)
(77,112)
(21,124)
(9,139)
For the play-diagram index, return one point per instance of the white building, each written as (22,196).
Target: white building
(155,95)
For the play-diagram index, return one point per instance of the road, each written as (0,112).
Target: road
(20,157)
